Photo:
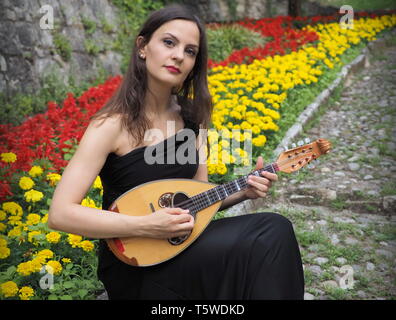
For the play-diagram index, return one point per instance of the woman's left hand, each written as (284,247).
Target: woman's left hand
(259,186)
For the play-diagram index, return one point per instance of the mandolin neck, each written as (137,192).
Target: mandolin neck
(221,192)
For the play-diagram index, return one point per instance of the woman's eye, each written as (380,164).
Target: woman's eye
(168,42)
(191,52)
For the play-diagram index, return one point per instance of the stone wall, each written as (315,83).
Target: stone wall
(84,38)
(78,45)
(231,10)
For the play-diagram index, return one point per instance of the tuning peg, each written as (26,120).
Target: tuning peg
(293,145)
(285,148)
(300,143)
(307,140)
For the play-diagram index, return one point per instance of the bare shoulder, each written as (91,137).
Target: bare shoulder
(112,123)
(107,130)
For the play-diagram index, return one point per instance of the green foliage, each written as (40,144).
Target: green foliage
(62,45)
(21,105)
(223,40)
(91,47)
(89,25)
(131,15)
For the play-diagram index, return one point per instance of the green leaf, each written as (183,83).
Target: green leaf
(66,297)
(52,297)
(69,266)
(68,284)
(67,156)
(82,293)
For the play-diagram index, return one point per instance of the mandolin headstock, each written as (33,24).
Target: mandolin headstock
(294,159)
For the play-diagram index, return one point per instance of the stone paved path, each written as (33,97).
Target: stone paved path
(343,210)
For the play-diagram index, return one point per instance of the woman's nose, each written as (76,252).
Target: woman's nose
(178,54)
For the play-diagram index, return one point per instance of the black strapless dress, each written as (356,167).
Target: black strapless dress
(253,256)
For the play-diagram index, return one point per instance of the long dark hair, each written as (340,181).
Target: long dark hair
(193,96)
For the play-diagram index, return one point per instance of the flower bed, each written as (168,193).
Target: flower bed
(38,263)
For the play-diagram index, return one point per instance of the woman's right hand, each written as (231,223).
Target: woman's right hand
(168,223)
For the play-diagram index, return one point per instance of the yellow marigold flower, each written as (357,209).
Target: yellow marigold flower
(53,267)
(32,236)
(3,242)
(4,252)
(8,157)
(14,232)
(13,208)
(221,168)
(32,219)
(88,202)
(53,237)
(14,220)
(25,293)
(33,196)
(66,260)
(25,183)
(211,168)
(53,178)
(3,215)
(46,253)
(97,183)
(86,245)
(74,240)
(9,289)
(246,162)
(25,268)
(44,219)
(35,171)
(3,227)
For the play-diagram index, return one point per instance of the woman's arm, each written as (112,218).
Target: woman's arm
(67,214)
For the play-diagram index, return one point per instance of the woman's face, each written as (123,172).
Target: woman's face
(171,52)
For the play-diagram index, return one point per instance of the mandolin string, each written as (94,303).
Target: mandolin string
(190,201)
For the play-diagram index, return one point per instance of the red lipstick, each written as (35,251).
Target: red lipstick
(172,69)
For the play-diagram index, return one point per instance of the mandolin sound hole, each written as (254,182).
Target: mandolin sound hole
(178,240)
(178,198)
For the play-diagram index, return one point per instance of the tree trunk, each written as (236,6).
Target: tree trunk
(294,8)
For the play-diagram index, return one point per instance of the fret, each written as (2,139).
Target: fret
(242,182)
(195,204)
(209,201)
(221,191)
(212,195)
(203,201)
(215,189)
(237,185)
(232,187)
(225,190)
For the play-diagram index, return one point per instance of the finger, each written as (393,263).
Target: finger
(269,175)
(261,194)
(259,186)
(177,210)
(259,163)
(261,180)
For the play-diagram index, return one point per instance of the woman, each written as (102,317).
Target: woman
(253,256)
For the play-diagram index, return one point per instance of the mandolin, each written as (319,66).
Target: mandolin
(202,199)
